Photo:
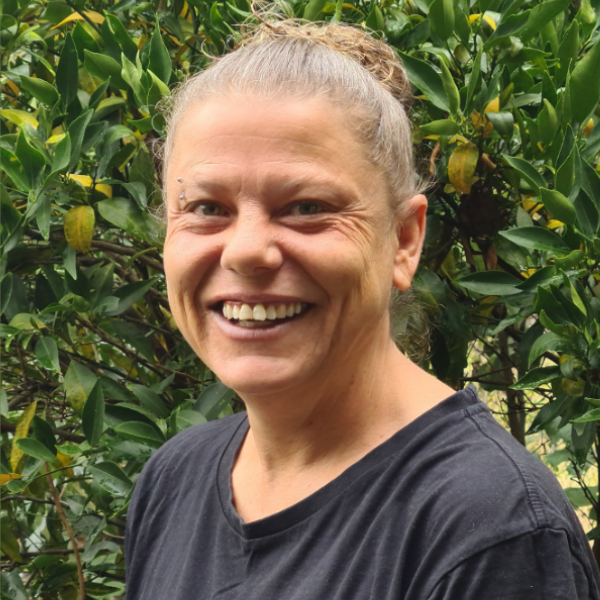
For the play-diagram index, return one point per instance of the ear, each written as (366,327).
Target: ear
(410,232)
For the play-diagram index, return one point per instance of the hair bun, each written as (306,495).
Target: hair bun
(375,56)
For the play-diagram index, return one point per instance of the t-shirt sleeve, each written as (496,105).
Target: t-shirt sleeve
(536,566)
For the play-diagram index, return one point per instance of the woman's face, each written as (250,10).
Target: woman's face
(273,210)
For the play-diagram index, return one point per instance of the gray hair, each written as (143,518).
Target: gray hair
(341,63)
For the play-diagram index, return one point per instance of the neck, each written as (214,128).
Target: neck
(342,417)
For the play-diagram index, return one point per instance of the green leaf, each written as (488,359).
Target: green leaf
(123,213)
(536,238)
(151,400)
(503,122)
(547,123)
(129,294)
(567,52)
(12,166)
(6,287)
(559,206)
(473,80)
(590,181)
(575,297)
(441,18)
(107,106)
(32,161)
(116,414)
(134,337)
(138,193)
(213,400)
(548,342)
(67,72)
(111,477)
(83,40)
(542,14)
(160,61)
(536,377)
(547,414)
(158,90)
(42,432)
(128,46)
(133,76)
(450,88)
(427,79)
(585,84)
(104,67)
(12,586)
(441,127)
(492,283)
(140,432)
(188,418)
(78,383)
(527,172)
(36,449)
(314,9)
(77,131)
(510,25)
(98,95)
(62,154)
(375,20)
(592,415)
(565,174)
(92,418)
(46,351)
(40,89)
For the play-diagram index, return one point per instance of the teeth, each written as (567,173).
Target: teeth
(252,316)
(259,313)
(246,313)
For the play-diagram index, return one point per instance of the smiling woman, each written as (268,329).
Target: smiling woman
(293,209)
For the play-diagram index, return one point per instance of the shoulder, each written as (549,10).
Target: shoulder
(483,489)
(189,456)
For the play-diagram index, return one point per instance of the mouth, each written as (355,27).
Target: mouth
(260,315)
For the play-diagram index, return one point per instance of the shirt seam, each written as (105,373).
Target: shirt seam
(533,499)
(543,528)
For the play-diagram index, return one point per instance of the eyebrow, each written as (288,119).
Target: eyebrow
(275,186)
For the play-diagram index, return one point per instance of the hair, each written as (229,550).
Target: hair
(294,60)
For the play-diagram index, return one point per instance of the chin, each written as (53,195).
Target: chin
(260,376)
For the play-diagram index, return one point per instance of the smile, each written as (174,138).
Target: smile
(253,315)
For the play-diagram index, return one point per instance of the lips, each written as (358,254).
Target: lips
(260,314)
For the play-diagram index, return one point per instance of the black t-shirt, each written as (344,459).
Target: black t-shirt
(451,507)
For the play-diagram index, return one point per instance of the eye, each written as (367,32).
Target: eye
(307,208)
(210,209)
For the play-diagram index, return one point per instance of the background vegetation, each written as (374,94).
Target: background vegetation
(95,374)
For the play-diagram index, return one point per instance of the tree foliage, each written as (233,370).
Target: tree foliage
(96,375)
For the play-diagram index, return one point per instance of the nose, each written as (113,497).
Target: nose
(251,246)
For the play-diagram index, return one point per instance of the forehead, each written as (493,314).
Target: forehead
(251,136)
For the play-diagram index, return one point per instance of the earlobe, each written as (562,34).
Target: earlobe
(410,231)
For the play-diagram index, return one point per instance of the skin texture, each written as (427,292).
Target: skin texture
(277,202)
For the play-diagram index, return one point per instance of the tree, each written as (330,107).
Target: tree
(95,373)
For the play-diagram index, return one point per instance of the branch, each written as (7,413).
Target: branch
(29,499)
(7,426)
(102,245)
(65,521)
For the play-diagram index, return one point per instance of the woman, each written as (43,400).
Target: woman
(292,211)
